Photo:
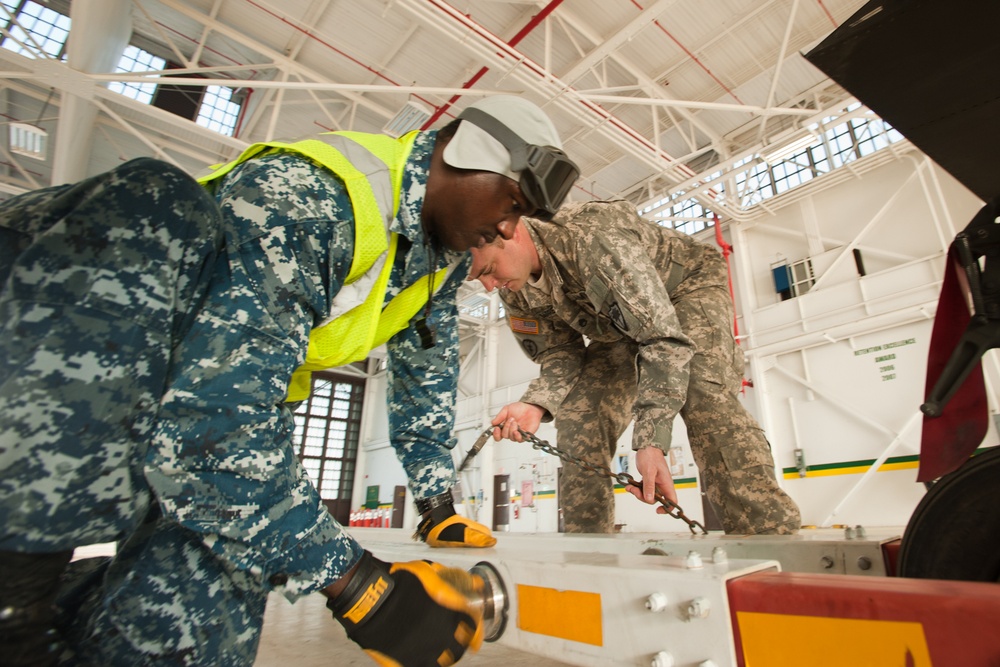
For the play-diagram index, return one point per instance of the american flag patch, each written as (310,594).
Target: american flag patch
(522,326)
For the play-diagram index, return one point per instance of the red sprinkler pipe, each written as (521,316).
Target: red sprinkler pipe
(727,250)
(522,33)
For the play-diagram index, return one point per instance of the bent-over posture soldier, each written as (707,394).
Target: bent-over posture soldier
(655,307)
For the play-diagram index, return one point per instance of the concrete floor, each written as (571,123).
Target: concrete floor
(305,635)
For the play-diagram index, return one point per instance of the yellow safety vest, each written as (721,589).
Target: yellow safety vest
(371,167)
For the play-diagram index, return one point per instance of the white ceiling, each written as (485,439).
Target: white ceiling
(646,94)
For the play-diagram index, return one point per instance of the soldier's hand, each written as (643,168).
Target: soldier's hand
(520,415)
(652,466)
(411,614)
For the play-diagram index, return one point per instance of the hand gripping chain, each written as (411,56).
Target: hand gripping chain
(623,478)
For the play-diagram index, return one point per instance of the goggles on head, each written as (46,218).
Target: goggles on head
(546,172)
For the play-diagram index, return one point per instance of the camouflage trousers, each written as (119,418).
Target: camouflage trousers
(99,281)
(729,447)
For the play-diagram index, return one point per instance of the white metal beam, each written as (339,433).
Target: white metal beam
(101,30)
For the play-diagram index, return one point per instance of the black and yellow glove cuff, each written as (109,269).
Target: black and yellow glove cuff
(364,594)
(442,527)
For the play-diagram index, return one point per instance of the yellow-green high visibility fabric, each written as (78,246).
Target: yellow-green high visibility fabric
(352,336)
(340,342)
(369,229)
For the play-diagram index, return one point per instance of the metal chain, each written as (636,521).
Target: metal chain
(623,478)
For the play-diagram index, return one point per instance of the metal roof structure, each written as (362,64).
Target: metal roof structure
(651,97)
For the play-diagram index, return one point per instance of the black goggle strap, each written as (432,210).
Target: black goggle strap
(537,190)
(554,174)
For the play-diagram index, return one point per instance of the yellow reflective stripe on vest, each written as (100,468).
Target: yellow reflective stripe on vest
(386,149)
(404,306)
(347,339)
(394,318)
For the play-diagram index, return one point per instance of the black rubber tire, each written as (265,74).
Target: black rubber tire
(954,532)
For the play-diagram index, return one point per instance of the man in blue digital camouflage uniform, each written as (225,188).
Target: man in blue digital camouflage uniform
(154,330)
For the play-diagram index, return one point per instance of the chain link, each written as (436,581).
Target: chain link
(623,478)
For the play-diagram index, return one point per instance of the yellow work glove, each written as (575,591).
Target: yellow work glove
(455,531)
(411,614)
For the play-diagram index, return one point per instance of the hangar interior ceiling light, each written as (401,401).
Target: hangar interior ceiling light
(412,116)
(782,150)
(28,140)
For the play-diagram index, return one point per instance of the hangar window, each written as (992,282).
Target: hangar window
(34,30)
(219,111)
(754,184)
(757,179)
(841,140)
(476,306)
(327,431)
(792,172)
(135,59)
(685,214)
(792,279)
(697,217)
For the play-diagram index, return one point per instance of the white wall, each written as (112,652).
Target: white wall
(837,373)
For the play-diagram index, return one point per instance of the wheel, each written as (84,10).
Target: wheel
(954,532)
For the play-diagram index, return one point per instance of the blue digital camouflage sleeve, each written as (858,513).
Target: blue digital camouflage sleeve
(222,460)
(421,394)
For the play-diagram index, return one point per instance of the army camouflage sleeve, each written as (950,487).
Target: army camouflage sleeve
(624,285)
(552,344)
(421,394)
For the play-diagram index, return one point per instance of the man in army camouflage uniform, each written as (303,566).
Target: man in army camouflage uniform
(655,307)
(150,328)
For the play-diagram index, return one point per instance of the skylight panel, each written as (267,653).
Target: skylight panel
(135,59)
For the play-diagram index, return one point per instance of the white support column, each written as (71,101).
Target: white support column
(749,303)
(99,34)
(491,352)
(373,405)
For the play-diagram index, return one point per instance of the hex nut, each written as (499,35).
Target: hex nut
(656,602)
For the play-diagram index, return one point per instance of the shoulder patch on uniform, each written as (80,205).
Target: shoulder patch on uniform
(523,326)
(615,313)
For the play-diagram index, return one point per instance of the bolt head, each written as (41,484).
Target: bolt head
(699,608)
(693,560)
(662,659)
(656,602)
